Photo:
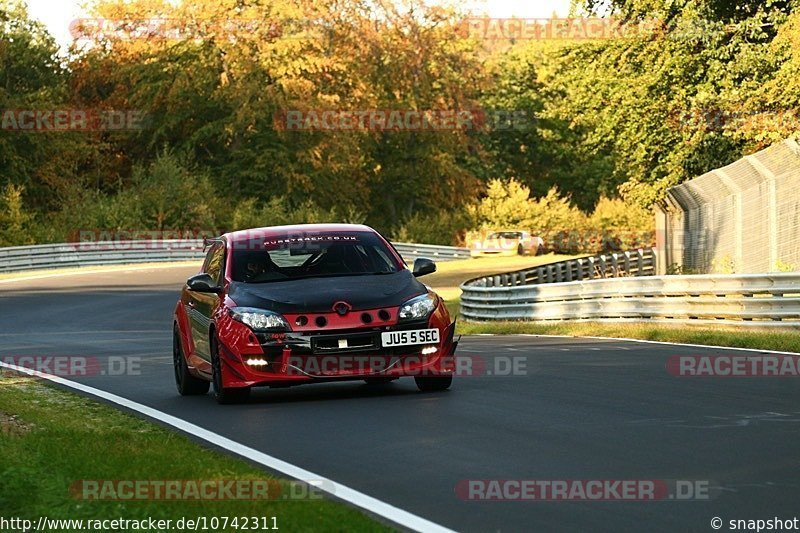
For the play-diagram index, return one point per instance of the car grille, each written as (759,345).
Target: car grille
(344,343)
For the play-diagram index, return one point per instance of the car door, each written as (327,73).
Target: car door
(200,308)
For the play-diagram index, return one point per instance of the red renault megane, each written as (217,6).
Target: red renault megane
(290,305)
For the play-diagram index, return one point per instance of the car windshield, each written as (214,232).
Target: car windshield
(506,235)
(290,257)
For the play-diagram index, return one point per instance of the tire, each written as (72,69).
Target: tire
(187,384)
(222,394)
(520,250)
(378,381)
(433,384)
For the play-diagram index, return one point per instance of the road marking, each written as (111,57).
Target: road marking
(623,339)
(95,271)
(337,490)
(83,332)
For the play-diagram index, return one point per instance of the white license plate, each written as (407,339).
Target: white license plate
(409,338)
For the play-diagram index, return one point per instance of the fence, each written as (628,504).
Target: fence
(49,256)
(744,217)
(752,300)
(636,263)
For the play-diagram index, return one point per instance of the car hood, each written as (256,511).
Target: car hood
(317,295)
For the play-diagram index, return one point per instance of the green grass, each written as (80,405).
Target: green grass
(57,438)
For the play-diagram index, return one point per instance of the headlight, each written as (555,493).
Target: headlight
(419,307)
(259,319)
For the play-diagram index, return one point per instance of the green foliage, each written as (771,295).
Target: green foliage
(447,228)
(626,117)
(165,194)
(508,205)
(621,225)
(723,265)
(278,211)
(613,225)
(14,219)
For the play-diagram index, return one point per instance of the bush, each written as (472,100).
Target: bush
(164,195)
(614,225)
(508,205)
(447,228)
(15,221)
(618,225)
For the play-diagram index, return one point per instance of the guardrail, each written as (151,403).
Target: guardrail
(614,265)
(48,256)
(411,251)
(771,300)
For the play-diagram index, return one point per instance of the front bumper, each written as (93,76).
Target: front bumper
(295,358)
(489,252)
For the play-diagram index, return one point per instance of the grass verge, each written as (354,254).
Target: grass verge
(772,339)
(51,439)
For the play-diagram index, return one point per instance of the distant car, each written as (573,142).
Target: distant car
(291,305)
(507,243)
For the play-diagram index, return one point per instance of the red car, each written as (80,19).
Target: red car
(291,305)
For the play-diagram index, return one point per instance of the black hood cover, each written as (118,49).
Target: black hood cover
(317,295)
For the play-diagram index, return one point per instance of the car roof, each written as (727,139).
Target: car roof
(273,231)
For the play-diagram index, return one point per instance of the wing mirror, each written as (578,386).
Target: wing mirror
(422,266)
(203,283)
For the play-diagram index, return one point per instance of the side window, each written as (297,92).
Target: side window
(215,262)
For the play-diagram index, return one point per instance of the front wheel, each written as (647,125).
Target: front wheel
(434,384)
(187,384)
(224,395)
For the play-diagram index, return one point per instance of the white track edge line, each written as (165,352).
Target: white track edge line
(109,269)
(339,491)
(624,339)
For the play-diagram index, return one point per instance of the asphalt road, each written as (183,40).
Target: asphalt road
(580,409)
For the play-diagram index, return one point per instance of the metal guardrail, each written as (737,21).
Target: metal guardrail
(614,265)
(771,300)
(411,251)
(79,254)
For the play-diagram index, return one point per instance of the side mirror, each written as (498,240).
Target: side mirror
(422,266)
(203,283)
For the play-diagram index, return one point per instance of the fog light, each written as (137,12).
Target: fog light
(428,350)
(257,362)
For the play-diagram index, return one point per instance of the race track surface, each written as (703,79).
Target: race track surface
(582,409)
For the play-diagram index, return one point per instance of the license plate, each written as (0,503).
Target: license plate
(409,338)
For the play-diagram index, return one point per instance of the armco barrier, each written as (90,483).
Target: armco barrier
(47,256)
(614,265)
(771,300)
